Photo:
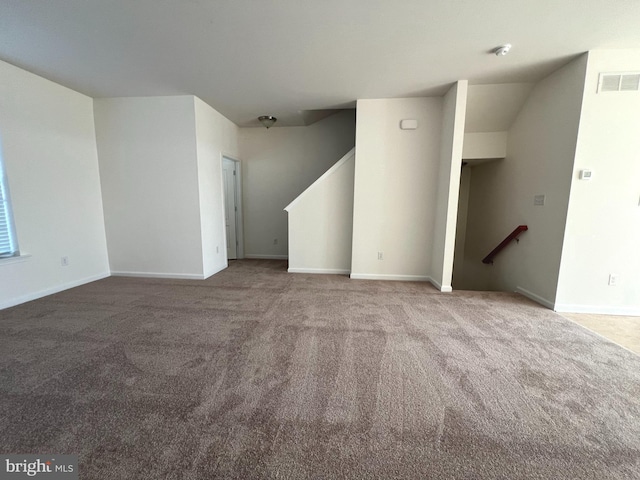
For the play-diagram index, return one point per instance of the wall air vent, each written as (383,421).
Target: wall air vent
(630,82)
(619,82)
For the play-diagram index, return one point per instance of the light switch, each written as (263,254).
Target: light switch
(585,174)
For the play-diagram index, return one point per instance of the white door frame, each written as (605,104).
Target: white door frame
(239,220)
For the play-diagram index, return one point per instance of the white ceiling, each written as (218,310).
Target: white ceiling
(287,57)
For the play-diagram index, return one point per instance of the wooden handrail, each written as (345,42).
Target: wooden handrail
(512,236)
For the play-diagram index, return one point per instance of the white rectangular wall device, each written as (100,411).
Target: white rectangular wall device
(408,124)
(538,200)
(585,174)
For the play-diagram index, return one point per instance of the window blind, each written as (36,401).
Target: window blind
(8,244)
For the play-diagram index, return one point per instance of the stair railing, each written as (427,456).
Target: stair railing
(512,236)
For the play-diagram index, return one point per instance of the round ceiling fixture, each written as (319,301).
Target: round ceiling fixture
(502,50)
(267,120)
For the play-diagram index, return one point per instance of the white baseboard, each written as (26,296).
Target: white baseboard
(445,289)
(331,271)
(535,298)
(399,278)
(598,309)
(267,257)
(50,291)
(182,276)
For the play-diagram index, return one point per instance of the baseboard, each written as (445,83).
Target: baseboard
(535,298)
(445,289)
(331,271)
(181,276)
(50,291)
(399,278)
(598,309)
(267,257)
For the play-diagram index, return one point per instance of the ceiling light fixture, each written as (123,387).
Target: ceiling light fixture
(502,50)
(267,120)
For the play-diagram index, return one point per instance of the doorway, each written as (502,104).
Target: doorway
(232,207)
(458,279)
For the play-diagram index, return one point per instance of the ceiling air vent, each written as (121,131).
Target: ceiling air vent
(619,82)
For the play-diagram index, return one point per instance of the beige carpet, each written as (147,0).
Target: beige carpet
(256,373)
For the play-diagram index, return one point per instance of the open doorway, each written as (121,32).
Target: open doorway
(232,207)
(458,279)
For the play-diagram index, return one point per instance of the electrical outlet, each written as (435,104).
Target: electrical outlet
(64,261)
(379,255)
(613,279)
(538,200)
(217,249)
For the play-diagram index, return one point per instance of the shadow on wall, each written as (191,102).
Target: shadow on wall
(279,164)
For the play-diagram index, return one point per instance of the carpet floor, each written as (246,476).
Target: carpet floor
(257,373)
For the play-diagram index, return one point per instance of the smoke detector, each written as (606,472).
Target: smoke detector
(502,50)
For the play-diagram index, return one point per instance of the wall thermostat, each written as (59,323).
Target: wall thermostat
(585,174)
(408,124)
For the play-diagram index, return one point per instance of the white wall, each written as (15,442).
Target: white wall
(216,136)
(484,145)
(453,115)
(396,179)
(321,222)
(540,154)
(494,107)
(603,227)
(150,187)
(47,141)
(277,165)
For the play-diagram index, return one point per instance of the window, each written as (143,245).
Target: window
(8,241)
